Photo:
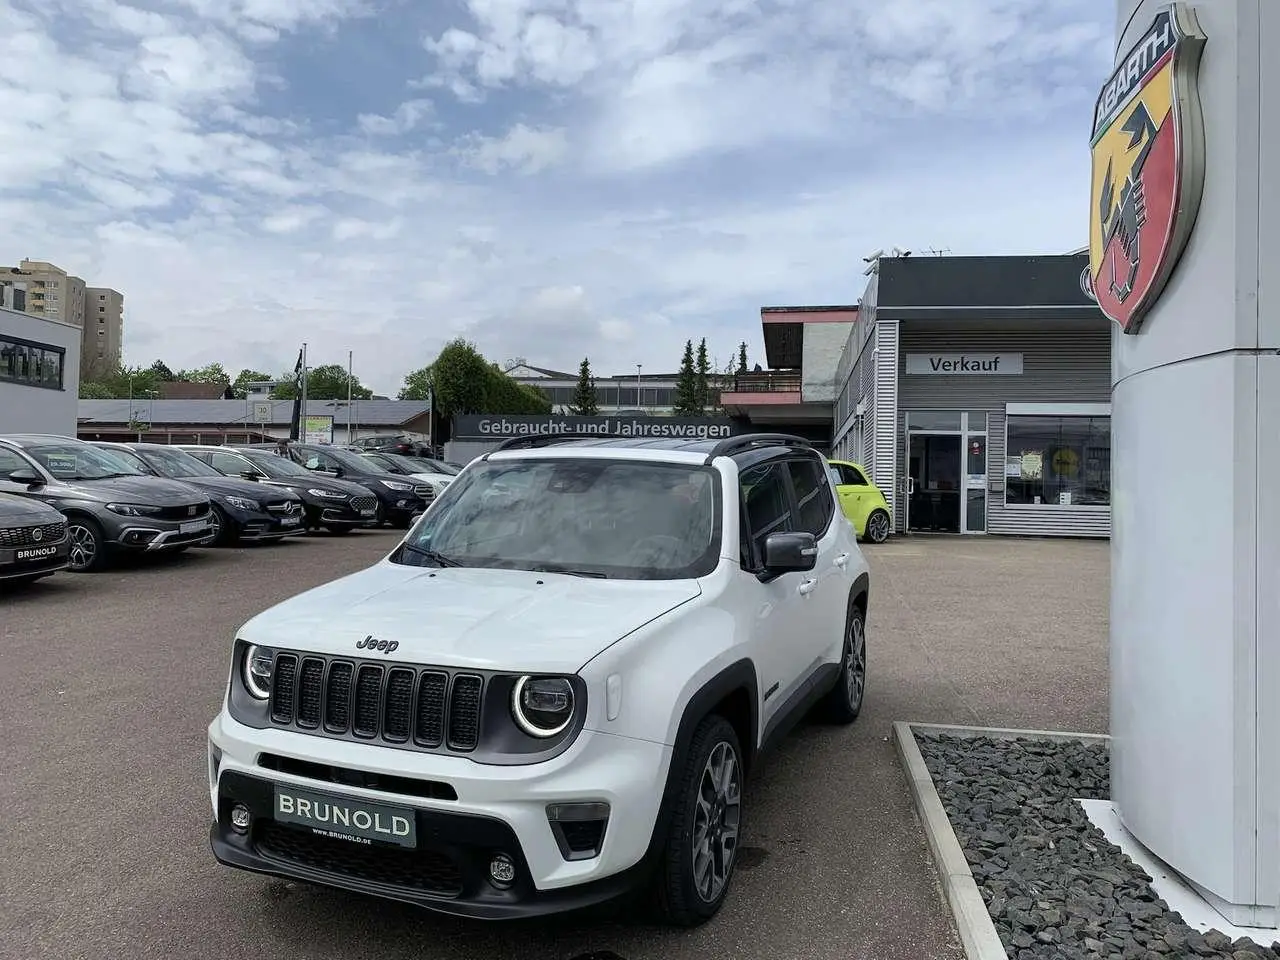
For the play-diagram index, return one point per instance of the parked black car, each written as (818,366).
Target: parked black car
(335,505)
(109,504)
(242,510)
(400,443)
(400,500)
(33,540)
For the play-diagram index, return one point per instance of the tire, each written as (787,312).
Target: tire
(844,702)
(225,529)
(88,545)
(688,894)
(878,525)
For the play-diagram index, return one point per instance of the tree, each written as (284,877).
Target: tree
(458,379)
(702,379)
(119,383)
(162,371)
(417,385)
(240,385)
(742,358)
(584,397)
(326,382)
(686,400)
(210,373)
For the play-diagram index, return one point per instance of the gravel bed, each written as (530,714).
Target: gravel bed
(1056,888)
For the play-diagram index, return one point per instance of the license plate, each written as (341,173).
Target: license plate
(193,526)
(368,513)
(34,553)
(345,818)
(290,521)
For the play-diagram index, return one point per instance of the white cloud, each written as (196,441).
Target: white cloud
(525,149)
(648,170)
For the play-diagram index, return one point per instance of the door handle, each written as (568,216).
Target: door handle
(806,587)
(842,560)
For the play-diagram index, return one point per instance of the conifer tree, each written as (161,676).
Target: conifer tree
(584,396)
(686,401)
(702,381)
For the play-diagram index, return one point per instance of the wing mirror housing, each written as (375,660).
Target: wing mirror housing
(789,553)
(27,476)
(248,475)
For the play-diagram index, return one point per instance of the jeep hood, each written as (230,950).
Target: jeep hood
(469,617)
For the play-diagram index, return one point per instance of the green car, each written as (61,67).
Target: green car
(861,501)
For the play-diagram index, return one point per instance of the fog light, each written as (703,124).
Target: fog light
(502,870)
(240,818)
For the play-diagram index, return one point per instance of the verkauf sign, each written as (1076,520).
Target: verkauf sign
(481,426)
(964,364)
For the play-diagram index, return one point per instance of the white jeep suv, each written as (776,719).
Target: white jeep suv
(551,692)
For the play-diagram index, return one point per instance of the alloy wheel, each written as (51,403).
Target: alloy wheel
(716,822)
(855,662)
(878,527)
(84,547)
(215,524)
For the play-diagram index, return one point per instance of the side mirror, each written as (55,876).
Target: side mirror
(27,476)
(248,475)
(338,472)
(790,552)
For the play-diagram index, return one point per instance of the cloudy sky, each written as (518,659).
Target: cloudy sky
(549,178)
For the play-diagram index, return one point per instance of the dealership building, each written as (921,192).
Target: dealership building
(976,393)
(39,374)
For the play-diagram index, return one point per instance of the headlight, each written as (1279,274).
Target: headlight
(328,494)
(133,509)
(542,706)
(257,668)
(241,503)
(396,485)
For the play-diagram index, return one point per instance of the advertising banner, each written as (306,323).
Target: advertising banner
(317,430)
(497,426)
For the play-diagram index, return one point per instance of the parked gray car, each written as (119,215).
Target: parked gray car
(33,540)
(110,506)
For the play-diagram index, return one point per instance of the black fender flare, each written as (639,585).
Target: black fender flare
(861,588)
(739,675)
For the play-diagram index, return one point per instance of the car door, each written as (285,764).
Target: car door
(825,592)
(778,603)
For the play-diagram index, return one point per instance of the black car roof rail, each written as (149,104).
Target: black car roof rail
(546,439)
(748,441)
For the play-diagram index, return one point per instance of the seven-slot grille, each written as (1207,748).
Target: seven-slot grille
(419,707)
(364,503)
(26,536)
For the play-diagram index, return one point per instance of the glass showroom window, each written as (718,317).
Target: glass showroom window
(1062,460)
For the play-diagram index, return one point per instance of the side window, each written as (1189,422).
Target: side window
(9,462)
(766,507)
(813,496)
(851,476)
(228,463)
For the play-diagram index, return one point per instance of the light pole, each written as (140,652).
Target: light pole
(639,395)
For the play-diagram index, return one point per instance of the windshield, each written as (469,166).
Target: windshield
(79,461)
(274,465)
(177,464)
(350,461)
(427,465)
(623,519)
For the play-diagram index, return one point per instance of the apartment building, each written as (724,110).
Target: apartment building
(45,290)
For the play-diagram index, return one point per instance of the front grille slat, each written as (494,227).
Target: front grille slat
(464,712)
(50,533)
(420,707)
(368,701)
(310,692)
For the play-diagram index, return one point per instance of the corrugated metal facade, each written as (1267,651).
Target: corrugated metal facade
(1067,364)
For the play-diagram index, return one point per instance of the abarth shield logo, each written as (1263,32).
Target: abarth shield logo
(1148,167)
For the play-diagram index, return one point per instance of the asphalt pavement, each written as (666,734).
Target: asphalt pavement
(108,681)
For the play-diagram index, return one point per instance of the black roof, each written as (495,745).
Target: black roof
(710,448)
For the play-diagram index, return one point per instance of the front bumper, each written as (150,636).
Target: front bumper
(144,536)
(19,562)
(253,527)
(499,809)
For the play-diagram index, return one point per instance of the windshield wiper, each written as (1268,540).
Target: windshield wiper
(551,568)
(435,557)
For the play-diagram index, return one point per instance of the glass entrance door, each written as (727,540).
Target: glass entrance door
(947,471)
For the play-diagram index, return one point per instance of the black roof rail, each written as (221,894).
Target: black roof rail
(747,441)
(547,439)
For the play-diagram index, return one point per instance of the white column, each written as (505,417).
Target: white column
(1195,592)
